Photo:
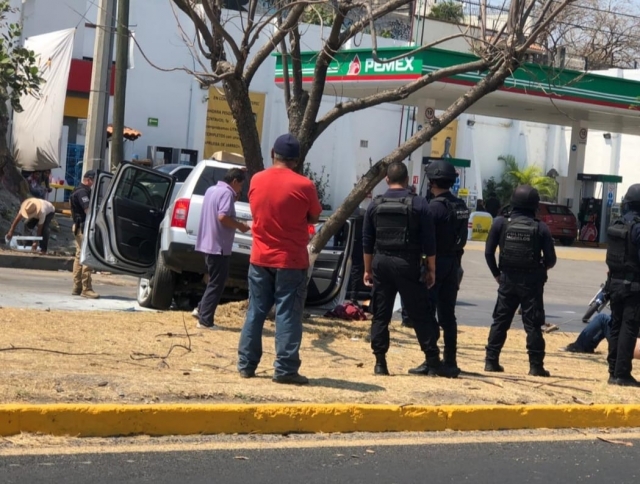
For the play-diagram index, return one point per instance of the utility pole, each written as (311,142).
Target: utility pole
(100,88)
(483,20)
(122,53)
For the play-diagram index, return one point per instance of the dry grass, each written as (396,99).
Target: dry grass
(119,357)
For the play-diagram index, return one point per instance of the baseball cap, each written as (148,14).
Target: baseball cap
(90,174)
(287,146)
(30,208)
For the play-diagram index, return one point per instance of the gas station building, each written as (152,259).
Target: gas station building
(536,93)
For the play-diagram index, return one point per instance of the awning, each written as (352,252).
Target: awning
(129,133)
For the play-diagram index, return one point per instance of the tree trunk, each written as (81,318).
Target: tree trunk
(237,94)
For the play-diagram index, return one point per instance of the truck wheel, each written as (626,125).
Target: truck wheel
(162,285)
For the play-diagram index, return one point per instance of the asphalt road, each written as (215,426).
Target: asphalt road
(571,286)
(528,462)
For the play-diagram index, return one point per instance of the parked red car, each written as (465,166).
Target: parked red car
(561,221)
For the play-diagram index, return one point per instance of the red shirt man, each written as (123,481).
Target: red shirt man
(283,204)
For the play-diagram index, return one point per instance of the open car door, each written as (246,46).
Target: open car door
(331,272)
(121,231)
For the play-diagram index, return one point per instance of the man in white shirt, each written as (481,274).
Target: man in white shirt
(35,212)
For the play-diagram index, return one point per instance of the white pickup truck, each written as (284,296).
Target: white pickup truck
(139,225)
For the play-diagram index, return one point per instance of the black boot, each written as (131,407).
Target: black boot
(381,365)
(625,381)
(449,364)
(423,369)
(493,365)
(538,370)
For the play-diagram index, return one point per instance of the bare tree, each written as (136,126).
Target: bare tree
(596,34)
(498,59)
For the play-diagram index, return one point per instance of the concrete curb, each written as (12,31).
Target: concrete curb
(107,420)
(36,262)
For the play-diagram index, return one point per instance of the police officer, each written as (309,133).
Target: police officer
(450,217)
(399,257)
(79,202)
(623,260)
(521,275)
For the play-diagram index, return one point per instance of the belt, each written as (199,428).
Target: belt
(397,253)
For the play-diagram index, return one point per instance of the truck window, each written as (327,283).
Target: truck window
(210,176)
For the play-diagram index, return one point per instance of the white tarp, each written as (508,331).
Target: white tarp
(37,131)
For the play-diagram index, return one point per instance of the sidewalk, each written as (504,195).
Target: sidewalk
(577,252)
(147,358)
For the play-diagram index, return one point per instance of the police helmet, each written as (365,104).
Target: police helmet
(633,194)
(442,170)
(525,197)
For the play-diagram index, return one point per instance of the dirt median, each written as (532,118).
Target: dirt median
(56,357)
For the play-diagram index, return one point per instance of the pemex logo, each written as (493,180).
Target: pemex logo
(354,66)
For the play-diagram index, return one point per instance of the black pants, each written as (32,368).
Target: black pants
(393,275)
(218,269)
(625,324)
(443,296)
(515,290)
(46,230)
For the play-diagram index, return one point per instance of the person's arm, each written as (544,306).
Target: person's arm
(636,237)
(315,209)
(368,246)
(427,238)
(14,225)
(232,223)
(225,208)
(493,239)
(549,258)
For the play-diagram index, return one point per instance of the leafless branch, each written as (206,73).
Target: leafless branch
(375,14)
(152,356)
(393,95)
(292,19)
(55,352)
(543,26)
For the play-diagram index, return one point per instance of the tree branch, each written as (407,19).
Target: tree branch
(542,27)
(379,12)
(265,51)
(200,25)
(395,94)
(214,17)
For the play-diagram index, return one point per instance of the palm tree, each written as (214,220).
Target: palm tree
(530,175)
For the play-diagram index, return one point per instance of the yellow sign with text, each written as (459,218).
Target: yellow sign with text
(479,226)
(221,133)
(444,143)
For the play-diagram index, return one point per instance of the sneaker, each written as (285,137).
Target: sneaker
(293,379)
(195,313)
(247,373)
(213,327)
(90,294)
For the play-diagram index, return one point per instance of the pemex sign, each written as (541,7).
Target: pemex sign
(360,65)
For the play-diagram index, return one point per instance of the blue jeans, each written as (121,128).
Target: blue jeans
(598,329)
(286,288)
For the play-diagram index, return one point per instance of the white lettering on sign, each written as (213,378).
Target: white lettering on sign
(401,65)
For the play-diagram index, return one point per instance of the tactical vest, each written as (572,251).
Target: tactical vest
(396,226)
(458,221)
(520,245)
(622,253)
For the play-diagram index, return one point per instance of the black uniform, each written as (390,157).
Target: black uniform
(79,201)
(398,229)
(450,217)
(623,260)
(523,272)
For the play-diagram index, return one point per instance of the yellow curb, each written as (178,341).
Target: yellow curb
(116,420)
(564,253)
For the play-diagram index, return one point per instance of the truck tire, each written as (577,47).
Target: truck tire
(162,285)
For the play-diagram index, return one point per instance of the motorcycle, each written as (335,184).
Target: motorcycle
(597,304)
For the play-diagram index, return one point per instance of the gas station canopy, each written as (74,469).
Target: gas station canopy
(532,93)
